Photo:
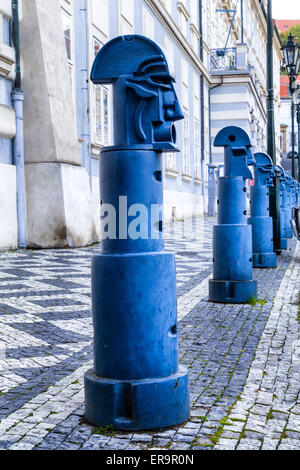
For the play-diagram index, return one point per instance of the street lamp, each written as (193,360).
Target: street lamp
(290,53)
(297,100)
(292,63)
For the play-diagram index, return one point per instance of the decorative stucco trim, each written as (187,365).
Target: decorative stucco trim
(171,27)
(7,60)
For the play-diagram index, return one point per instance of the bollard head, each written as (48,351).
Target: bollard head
(211,168)
(145,102)
(279,173)
(238,153)
(264,170)
(289,180)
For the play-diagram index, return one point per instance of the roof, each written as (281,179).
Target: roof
(285,25)
(284,86)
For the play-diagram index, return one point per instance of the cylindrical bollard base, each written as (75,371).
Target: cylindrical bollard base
(137,404)
(232,292)
(264,260)
(232,252)
(135,383)
(283,243)
(283,237)
(262,237)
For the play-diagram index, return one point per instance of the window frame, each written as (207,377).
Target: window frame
(105,119)
(66,14)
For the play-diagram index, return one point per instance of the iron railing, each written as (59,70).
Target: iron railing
(223,59)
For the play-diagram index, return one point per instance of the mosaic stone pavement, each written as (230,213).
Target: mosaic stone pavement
(46,346)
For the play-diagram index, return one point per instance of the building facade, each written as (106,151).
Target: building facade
(285,118)
(8,182)
(219,60)
(286,134)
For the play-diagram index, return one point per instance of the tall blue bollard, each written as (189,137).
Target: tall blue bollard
(286,205)
(296,212)
(212,186)
(283,239)
(290,185)
(232,237)
(136,383)
(262,223)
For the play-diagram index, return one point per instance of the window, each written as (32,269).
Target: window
(168,5)
(195,41)
(182,22)
(196,119)
(100,15)
(185,106)
(184,83)
(126,16)
(169,49)
(6,31)
(171,160)
(68,33)
(186,144)
(194,12)
(148,24)
(101,108)
(197,148)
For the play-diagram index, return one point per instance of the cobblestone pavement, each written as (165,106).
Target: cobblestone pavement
(243,360)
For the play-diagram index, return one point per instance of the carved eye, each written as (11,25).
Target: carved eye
(161,79)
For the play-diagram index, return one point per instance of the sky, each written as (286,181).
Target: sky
(286,9)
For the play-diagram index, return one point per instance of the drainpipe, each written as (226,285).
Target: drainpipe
(275,190)
(242,21)
(202,104)
(18,144)
(82,58)
(209,106)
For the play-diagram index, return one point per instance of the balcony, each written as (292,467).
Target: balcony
(223,60)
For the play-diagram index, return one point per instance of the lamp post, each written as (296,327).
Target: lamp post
(298,122)
(292,62)
(275,190)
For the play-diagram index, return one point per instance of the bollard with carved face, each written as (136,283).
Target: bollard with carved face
(264,170)
(238,155)
(145,101)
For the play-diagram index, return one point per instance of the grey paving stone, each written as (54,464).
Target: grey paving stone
(240,358)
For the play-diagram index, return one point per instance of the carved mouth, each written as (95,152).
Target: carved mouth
(165,133)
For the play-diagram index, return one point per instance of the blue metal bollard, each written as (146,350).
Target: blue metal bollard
(212,189)
(262,223)
(296,212)
(136,383)
(283,239)
(291,184)
(232,238)
(286,216)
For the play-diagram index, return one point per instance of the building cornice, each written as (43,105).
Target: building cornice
(7,60)
(161,13)
(172,173)
(181,7)
(5,8)
(239,79)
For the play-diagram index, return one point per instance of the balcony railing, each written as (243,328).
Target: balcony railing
(222,60)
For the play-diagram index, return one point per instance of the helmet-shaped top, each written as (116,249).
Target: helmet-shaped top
(238,153)
(125,55)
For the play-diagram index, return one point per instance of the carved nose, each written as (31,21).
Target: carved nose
(174,113)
